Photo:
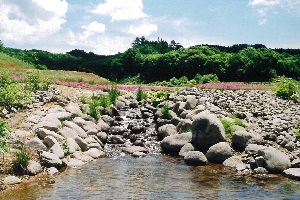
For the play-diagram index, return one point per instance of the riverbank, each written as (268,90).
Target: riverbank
(58,133)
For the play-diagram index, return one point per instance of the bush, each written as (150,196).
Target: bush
(288,89)
(4,80)
(209,78)
(3,136)
(165,112)
(21,161)
(14,95)
(97,104)
(158,97)
(33,82)
(140,95)
(113,94)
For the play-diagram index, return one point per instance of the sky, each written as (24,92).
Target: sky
(110,26)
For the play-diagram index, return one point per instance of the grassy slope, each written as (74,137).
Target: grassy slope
(17,67)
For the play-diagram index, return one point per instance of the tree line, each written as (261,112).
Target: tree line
(159,60)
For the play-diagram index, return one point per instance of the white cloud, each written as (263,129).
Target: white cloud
(121,9)
(91,29)
(30,20)
(264,2)
(142,30)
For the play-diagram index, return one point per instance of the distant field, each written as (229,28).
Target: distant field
(17,67)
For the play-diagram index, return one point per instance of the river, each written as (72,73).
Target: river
(155,176)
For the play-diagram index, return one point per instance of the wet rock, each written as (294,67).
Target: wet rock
(219,152)
(275,160)
(33,167)
(195,158)
(167,130)
(186,148)
(73,162)
(116,139)
(95,153)
(207,130)
(35,144)
(11,180)
(233,161)
(173,144)
(82,156)
(240,139)
(52,171)
(293,173)
(50,160)
(138,154)
(295,163)
(132,149)
(102,137)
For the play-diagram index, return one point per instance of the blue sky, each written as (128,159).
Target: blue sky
(110,26)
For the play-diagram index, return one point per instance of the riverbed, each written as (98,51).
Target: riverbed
(155,176)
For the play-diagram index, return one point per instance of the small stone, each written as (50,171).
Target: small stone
(11,180)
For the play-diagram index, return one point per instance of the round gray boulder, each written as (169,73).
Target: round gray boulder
(207,130)
(173,144)
(241,138)
(219,152)
(195,158)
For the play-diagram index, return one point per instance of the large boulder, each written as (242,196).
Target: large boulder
(74,109)
(275,160)
(80,132)
(207,130)
(186,148)
(50,160)
(191,102)
(219,152)
(196,158)
(233,162)
(173,143)
(35,144)
(166,130)
(33,167)
(293,173)
(241,138)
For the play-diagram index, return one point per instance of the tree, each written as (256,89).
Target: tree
(174,45)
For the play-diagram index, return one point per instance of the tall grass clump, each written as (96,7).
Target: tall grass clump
(165,112)
(288,89)
(3,137)
(98,105)
(20,162)
(113,94)
(140,95)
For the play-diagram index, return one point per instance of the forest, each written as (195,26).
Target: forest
(149,61)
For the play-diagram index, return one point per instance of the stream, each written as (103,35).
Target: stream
(155,176)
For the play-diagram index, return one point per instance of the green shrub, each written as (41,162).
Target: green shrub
(228,126)
(3,137)
(210,78)
(97,104)
(165,112)
(14,95)
(158,97)
(20,162)
(4,80)
(198,79)
(288,89)
(41,67)
(140,95)
(113,94)
(33,82)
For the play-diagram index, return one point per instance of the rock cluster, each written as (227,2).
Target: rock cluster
(266,145)
(61,134)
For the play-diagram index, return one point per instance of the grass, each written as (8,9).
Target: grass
(228,125)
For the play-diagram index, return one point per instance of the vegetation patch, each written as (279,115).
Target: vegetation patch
(229,125)
(165,112)
(140,95)
(288,89)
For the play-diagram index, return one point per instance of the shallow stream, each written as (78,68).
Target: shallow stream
(155,176)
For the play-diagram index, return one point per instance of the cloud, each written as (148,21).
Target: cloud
(91,29)
(121,9)
(142,30)
(264,2)
(30,20)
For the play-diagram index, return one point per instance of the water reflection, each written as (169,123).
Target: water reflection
(155,177)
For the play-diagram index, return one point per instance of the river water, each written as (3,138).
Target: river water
(155,176)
